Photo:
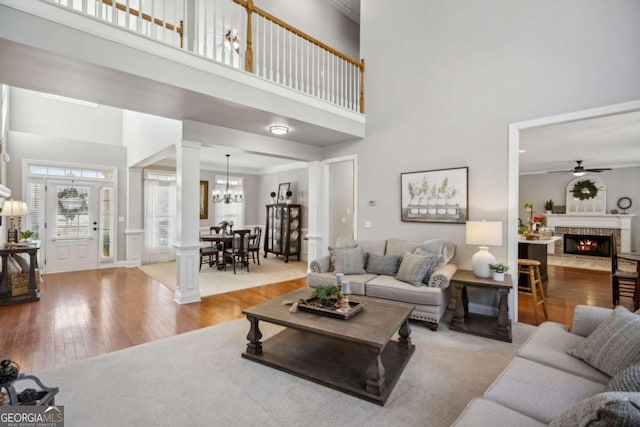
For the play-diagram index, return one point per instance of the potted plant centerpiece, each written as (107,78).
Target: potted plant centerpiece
(324,294)
(548,205)
(498,271)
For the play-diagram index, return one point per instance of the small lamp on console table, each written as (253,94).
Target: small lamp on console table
(13,208)
(485,234)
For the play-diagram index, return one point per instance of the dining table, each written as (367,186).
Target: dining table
(225,239)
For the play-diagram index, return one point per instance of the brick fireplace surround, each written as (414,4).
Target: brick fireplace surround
(596,225)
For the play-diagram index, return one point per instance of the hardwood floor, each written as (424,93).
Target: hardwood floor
(84,314)
(566,288)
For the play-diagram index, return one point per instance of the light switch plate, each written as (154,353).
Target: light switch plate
(367,224)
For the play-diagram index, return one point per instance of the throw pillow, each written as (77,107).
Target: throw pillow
(626,380)
(604,409)
(378,264)
(397,247)
(614,344)
(445,248)
(434,261)
(348,261)
(413,268)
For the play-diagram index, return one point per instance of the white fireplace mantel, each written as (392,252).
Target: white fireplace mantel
(620,222)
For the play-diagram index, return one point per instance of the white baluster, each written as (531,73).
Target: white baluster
(290,59)
(270,50)
(126,15)
(277,53)
(295,65)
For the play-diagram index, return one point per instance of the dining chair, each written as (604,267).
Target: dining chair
(238,253)
(207,255)
(214,229)
(623,283)
(254,244)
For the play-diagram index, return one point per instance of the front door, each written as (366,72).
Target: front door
(72,225)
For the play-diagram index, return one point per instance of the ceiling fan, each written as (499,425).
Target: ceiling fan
(580,170)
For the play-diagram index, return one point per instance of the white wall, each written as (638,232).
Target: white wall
(320,20)
(47,148)
(462,71)
(620,182)
(146,135)
(33,113)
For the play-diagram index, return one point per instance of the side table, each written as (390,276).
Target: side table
(477,324)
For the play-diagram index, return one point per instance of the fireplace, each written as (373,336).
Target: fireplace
(587,244)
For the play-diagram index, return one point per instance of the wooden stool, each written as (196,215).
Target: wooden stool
(531,268)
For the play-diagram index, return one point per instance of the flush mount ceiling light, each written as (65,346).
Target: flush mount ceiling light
(279,129)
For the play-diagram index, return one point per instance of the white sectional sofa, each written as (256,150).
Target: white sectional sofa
(544,384)
(430,298)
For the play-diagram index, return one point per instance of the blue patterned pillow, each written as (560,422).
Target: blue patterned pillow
(434,261)
(379,264)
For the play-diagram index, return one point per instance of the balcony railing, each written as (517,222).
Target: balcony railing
(238,34)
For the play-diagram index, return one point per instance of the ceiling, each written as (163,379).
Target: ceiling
(609,141)
(214,158)
(349,8)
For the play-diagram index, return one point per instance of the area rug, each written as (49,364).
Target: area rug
(212,281)
(199,379)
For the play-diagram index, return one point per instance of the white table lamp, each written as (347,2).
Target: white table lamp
(485,234)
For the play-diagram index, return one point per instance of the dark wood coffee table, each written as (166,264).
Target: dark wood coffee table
(355,356)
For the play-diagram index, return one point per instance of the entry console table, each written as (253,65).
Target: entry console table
(478,324)
(5,285)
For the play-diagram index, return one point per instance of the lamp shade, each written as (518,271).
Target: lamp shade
(484,233)
(14,208)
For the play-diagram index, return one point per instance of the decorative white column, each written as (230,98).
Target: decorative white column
(188,222)
(134,234)
(314,236)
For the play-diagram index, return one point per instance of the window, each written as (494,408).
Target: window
(160,216)
(106,223)
(34,204)
(72,211)
(228,211)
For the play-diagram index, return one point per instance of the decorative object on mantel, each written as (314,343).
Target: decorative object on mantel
(585,190)
(586,196)
(614,211)
(498,270)
(484,234)
(559,209)
(624,203)
(548,205)
(273,197)
(289,196)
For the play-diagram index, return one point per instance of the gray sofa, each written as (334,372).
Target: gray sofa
(431,299)
(543,382)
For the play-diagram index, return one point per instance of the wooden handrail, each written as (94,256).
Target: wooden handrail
(248,4)
(251,8)
(149,18)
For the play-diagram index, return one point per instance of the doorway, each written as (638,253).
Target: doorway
(515,130)
(72,225)
(72,215)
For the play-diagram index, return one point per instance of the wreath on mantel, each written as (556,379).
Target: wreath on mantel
(584,190)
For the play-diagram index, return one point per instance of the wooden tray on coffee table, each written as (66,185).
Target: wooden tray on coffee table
(311,305)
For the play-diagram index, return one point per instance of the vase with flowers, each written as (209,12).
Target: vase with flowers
(224,227)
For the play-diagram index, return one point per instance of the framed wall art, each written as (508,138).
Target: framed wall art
(440,195)
(204,199)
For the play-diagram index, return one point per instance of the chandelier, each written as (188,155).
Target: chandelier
(227,197)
